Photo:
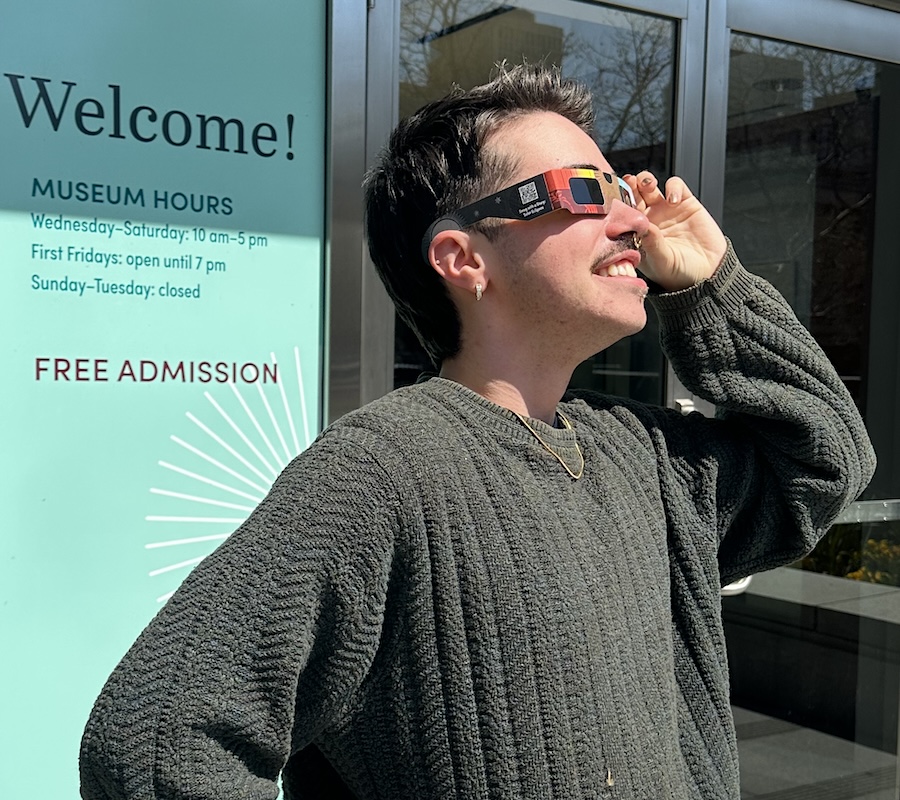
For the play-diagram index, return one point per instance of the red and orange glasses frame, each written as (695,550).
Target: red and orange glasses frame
(578,191)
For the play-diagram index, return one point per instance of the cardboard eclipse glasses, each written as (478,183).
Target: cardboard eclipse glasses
(578,191)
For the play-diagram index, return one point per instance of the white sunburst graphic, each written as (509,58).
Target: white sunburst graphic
(233,483)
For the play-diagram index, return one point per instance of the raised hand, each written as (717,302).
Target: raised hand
(684,244)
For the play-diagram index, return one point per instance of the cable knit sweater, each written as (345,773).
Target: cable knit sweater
(429,601)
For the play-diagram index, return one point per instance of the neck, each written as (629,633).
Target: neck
(531,387)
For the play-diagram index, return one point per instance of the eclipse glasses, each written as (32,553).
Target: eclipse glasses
(578,191)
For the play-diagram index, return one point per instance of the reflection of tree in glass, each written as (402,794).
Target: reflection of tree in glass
(824,74)
(425,22)
(418,20)
(626,59)
(773,80)
(629,70)
(799,180)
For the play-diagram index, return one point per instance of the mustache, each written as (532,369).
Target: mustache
(624,243)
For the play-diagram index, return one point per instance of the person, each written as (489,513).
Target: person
(480,586)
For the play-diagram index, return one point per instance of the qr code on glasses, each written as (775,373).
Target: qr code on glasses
(528,192)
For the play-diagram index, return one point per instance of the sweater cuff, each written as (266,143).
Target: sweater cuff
(698,305)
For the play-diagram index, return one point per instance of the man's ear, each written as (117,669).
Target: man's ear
(453,255)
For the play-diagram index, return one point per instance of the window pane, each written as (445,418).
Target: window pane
(799,186)
(814,651)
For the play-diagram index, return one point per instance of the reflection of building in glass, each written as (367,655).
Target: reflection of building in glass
(761,87)
(800,173)
(467,52)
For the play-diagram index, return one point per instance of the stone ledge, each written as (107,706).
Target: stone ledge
(822,604)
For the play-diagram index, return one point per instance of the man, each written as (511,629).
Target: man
(473,588)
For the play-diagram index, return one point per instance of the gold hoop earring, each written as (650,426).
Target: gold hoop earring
(479,292)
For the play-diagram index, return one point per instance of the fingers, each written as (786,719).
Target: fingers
(652,243)
(647,190)
(649,195)
(683,244)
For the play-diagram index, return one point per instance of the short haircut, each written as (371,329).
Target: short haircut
(434,163)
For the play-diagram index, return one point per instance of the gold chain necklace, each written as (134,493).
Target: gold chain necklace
(568,426)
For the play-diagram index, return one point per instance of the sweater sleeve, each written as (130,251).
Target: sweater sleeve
(788,450)
(261,648)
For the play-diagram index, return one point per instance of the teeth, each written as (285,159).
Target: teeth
(614,270)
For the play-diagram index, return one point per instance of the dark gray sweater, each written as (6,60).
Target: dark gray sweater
(428,599)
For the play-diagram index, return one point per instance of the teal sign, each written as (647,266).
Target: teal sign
(161,237)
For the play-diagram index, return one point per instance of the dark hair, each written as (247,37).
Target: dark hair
(434,163)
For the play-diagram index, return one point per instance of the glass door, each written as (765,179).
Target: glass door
(809,201)
(628,57)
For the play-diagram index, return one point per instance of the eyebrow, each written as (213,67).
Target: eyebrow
(584,166)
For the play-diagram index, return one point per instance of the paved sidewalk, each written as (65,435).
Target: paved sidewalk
(782,761)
